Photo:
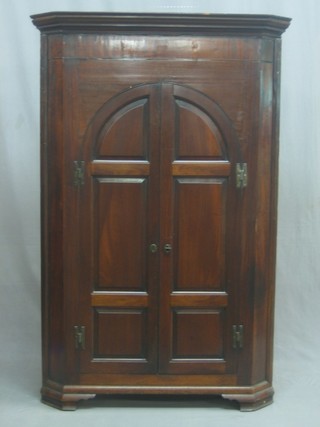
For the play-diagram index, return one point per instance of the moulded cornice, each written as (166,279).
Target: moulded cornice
(147,23)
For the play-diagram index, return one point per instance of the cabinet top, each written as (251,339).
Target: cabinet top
(157,23)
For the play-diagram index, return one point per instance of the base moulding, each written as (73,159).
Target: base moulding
(250,398)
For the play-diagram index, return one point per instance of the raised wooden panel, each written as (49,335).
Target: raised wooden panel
(200,232)
(114,141)
(198,299)
(197,136)
(119,299)
(207,168)
(120,233)
(120,333)
(197,334)
(120,168)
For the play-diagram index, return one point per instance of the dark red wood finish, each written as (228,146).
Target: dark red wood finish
(156,251)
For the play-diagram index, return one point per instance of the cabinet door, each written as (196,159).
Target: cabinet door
(120,229)
(199,256)
(159,263)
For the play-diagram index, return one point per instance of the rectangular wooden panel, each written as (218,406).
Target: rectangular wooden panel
(120,233)
(120,168)
(203,168)
(119,299)
(199,219)
(120,333)
(199,299)
(197,334)
(138,46)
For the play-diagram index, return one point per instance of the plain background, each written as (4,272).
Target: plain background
(297,333)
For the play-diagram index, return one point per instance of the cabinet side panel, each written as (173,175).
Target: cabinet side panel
(44,202)
(52,227)
(263,284)
(273,204)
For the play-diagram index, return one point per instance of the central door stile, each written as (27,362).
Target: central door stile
(166,226)
(154,219)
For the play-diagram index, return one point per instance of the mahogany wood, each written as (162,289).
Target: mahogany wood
(150,240)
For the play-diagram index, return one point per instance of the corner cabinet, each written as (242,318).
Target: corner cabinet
(159,174)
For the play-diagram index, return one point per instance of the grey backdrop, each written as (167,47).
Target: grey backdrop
(297,338)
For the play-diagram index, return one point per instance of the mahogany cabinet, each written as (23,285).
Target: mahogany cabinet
(159,188)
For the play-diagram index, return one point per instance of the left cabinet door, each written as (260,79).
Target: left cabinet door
(118,235)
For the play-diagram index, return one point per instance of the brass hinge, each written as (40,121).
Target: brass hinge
(78,172)
(237,336)
(79,337)
(242,175)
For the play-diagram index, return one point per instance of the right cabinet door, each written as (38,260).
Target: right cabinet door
(200,235)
